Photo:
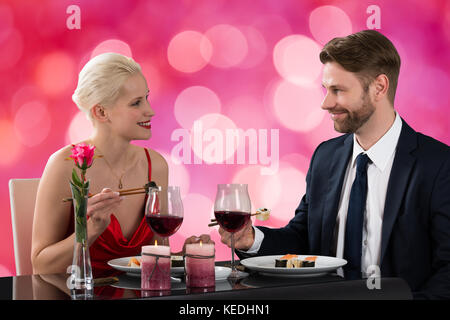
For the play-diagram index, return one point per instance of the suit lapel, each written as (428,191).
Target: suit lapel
(398,182)
(337,172)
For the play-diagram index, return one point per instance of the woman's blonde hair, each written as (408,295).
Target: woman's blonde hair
(100,80)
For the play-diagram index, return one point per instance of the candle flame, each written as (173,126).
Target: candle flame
(156,242)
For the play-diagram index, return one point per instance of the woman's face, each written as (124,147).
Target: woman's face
(131,115)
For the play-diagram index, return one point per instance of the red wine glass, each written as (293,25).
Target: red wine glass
(232,211)
(164,210)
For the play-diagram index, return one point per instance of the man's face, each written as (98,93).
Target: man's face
(346,100)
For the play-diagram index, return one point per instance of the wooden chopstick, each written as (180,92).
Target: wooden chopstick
(98,282)
(125,192)
(130,193)
(133,189)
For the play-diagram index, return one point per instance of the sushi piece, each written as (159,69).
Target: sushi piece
(294,263)
(282,262)
(134,262)
(262,214)
(309,261)
(291,261)
(177,261)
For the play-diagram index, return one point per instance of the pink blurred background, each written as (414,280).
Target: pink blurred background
(239,64)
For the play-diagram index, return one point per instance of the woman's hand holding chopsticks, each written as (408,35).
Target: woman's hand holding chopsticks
(124,192)
(99,210)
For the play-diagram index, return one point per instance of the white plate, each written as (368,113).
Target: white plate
(222,273)
(266,264)
(121,264)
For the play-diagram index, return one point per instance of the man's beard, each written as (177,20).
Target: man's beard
(356,119)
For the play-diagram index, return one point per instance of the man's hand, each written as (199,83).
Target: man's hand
(243,239)
(204,238)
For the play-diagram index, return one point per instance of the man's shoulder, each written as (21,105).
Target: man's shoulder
(431,146)
(426,145)
(332,144)
(431,154)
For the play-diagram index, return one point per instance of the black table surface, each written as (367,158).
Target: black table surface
(255,286)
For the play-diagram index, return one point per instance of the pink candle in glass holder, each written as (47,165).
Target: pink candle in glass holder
(200,265)
(155,268)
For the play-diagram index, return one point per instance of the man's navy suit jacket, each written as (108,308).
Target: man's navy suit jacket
(415,238)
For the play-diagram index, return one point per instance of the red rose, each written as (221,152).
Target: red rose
(83,155)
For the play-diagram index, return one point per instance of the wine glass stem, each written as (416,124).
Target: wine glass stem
(233,266)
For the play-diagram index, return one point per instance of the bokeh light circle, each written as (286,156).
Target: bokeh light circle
(296,107)
(6,21)
(257,47)
(296,160)
(189,51)
(241,110)
(32,123)
(208,138)
(178,174)
(264,190)
(153,78)
(197,210)
(338,23)
(112,45)
(293,188)
(197,213)
(296,59)
(273,27)
(25,94)
(323,132)
(194,102)
(11,148)
(229,45)
(55,72)
(11,49)
(80,128)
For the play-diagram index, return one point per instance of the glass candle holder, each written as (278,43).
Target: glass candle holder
(199,264)
(155,268)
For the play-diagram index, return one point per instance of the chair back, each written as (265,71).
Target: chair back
(22,193)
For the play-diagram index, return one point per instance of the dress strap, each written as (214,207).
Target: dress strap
(149,165)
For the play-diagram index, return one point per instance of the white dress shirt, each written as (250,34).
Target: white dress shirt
(381,155)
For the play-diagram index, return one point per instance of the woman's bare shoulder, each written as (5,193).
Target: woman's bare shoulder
(59,165)
(60,158)
(157,159)
(54,182)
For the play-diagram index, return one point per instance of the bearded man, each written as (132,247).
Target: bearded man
(379,195)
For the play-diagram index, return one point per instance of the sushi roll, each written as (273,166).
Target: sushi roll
(134,262)
(280,263)
(283,261)
(177,261)
(291,261)
(309,262)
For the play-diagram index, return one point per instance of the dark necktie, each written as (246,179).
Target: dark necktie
(355,220)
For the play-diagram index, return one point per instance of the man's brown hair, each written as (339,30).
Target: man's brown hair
(367,53)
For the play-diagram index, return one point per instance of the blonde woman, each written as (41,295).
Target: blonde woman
(114,95)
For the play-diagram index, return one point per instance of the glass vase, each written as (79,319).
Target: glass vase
(81,281)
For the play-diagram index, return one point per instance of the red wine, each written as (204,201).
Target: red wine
(164,226)
(232,221)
